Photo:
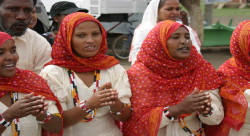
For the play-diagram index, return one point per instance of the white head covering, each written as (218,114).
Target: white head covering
(149,20)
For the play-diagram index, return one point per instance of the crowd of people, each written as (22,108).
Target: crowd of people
(59,81)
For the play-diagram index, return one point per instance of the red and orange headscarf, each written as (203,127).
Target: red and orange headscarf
(62,54)
(158,80)
(26,82)
(236,76)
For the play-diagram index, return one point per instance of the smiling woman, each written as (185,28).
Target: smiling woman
(26,102)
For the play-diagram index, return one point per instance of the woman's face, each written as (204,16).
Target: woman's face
(8,59)
(87,39)
(169,11)
(179,44)
(33,19)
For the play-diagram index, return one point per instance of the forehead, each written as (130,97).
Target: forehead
(18,3)
(87,25)
(171,3)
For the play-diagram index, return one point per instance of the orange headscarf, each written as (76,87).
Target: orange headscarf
(62,54)
(27,82)
(158,80)
(236,76)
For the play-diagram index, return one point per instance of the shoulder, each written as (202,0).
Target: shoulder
(116,68)
(53,70)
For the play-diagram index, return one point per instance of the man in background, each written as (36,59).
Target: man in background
(33,49)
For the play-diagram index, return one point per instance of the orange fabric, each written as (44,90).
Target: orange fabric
(158,80)
(236,76)
(27,82)
(62,54)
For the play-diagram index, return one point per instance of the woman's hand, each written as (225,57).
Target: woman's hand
(196,101)
(25,106)
(103,97)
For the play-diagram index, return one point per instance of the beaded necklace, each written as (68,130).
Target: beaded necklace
(74,92)
(183,124)
(15,127)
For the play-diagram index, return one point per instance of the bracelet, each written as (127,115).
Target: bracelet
(91,113)
(167,113)
(46,119)
(208,114)
(84,107)
(4,122)
(118,113)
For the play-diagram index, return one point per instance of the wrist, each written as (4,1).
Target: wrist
(44,118)
(117,106)
(88,104)
(4,122)
(174,111)
(7,116)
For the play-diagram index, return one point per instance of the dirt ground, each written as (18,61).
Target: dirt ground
(216,56)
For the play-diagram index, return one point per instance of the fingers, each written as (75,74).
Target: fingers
(105,86)
(196,91)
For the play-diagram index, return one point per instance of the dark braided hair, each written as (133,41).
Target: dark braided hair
(161,3)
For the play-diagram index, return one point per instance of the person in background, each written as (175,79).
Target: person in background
(92,87)
(235,91)
(58,11)
(174,90)
(184,17)
(42,24)
(34,50)
(156,11)
(27,104)
(33,20)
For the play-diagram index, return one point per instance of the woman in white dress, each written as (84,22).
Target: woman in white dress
(92,87)
(27,104)
(156,11)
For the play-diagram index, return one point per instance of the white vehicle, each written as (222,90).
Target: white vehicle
(119,18)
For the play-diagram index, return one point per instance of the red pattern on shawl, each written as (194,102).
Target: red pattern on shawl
(158,80)
(236,76)
(62,54)
(27,82)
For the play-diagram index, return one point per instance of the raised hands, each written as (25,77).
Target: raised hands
(28,105)
(197,101)
(103,97)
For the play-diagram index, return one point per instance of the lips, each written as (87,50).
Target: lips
(10,66)
(90,48)
(184,49)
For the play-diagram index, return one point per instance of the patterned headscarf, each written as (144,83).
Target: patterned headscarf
(26,82)
(158,80)
(236,76)
(62,54)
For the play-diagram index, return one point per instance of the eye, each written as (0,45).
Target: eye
(28,10)
(169,9)
(81,35)
(96,34)
(14,9)
(178,9)
(13,51)
(174,37)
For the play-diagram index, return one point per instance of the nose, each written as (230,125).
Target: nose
(90,39)
(9,56)
(21,15)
